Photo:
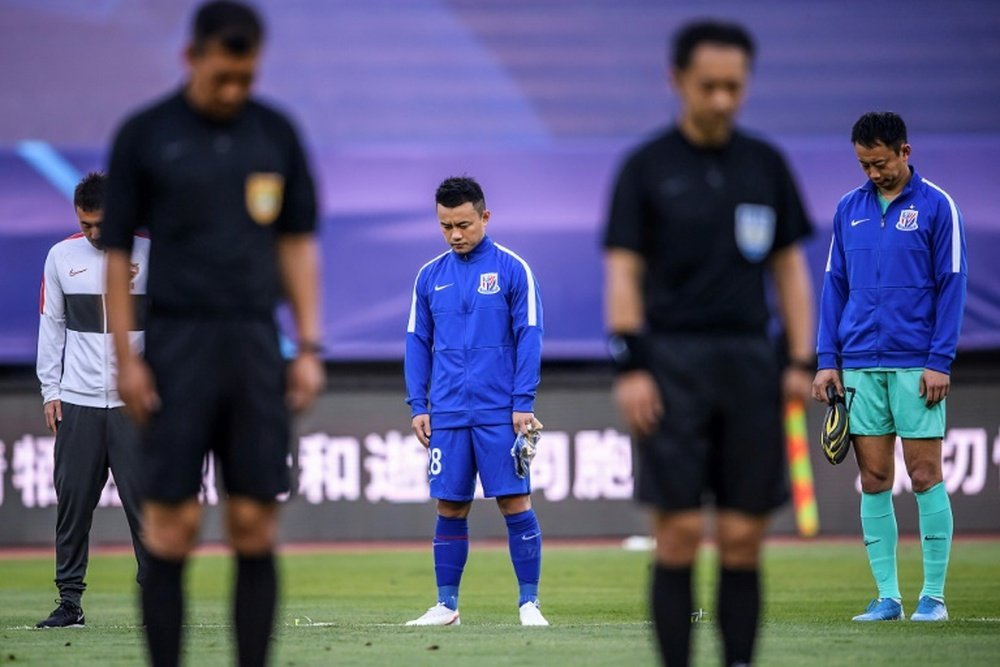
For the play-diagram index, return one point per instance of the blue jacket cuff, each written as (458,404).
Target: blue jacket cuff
(939,363)
(524,404)
(826,360)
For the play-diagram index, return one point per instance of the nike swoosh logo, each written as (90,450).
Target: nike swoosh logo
(73,272)
(438,288)
(868,543)
(934,537)
(855,223)
(530,537)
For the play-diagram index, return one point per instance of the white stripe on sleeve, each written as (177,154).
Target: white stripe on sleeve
(956,232)
(532,297)
(411,325)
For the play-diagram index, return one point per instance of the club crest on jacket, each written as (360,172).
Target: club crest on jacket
(907,220)
(488,283)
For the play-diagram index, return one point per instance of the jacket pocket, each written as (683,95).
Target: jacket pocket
(491,377)
(907,319)
(83,363)
(447,392)
(858,331)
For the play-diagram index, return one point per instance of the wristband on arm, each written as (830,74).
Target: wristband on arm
(806,365)
(629,352)
(310,347)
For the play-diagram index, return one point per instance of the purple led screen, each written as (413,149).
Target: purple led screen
(537,99)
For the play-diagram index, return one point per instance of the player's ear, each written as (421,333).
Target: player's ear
(190,54)
(486,216)
(674,79)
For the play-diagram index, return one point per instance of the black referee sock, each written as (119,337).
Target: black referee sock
(739,611)
(163,609)
(256,595)
(672,602)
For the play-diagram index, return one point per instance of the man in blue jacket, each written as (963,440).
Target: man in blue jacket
(890,316)
(473,354)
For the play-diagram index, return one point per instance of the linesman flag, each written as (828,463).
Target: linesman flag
(800,469)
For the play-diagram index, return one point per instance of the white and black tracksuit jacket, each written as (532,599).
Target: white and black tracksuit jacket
(76,360)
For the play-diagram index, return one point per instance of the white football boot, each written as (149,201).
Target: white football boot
(439,614)
(531,614)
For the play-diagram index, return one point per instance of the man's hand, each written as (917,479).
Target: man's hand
(823,378)
(421,425)
(639,401)
(934,386)
(796,384)
(53,414)
(306,378)
(137,389)
(523,422)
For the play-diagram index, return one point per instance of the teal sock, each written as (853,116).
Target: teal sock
(878,523)
(936,527)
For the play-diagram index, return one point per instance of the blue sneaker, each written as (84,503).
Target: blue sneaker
(882,609)
(930,609)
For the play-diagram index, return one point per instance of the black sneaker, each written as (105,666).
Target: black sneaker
(66,615)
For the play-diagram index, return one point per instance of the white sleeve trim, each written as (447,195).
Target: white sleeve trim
(956,230)
(532,297)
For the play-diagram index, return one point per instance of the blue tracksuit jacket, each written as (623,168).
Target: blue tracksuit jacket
(894,288)
(474,338)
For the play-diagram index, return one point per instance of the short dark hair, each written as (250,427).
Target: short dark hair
(458,190)
(89,193)
(692,35)
(880,127)
(235,25)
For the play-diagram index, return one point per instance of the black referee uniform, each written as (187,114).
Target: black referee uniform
(214,196)
(706,221)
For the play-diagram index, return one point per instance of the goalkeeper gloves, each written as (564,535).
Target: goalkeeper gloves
(525,447)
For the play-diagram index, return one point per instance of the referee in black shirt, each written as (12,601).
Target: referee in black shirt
(221,183)
(699,215)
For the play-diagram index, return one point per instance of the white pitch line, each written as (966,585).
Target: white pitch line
(355,626)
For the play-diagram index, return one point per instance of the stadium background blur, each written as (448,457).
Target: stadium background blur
(538,99)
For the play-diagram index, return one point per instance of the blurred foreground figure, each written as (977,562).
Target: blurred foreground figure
(222,185)
(699,215)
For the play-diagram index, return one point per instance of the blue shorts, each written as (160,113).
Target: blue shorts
(457,454)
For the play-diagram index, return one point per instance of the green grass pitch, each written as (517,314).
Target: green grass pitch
(346,607)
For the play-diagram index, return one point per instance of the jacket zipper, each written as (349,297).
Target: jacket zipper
(465,262)
(104,314)
(878,281)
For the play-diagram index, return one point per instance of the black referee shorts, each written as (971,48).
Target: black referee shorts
(721,435)
(222,389)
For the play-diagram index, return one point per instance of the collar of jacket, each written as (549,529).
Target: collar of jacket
(910,186)
(477,253)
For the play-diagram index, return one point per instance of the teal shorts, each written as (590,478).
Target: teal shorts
(887,401)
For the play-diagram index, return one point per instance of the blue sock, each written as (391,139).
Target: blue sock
(525,540)
(451,551)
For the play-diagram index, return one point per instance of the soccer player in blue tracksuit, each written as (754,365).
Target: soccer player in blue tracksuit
(890,316)
(473,353)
